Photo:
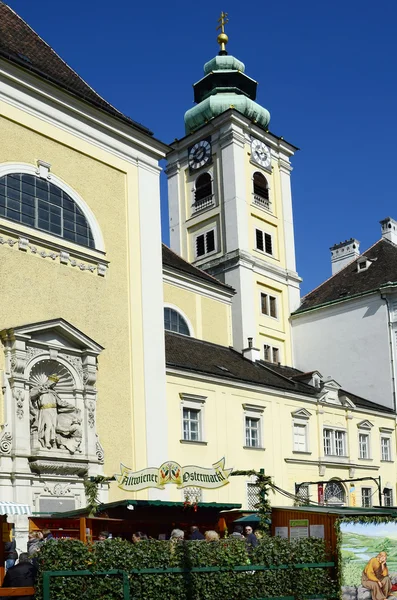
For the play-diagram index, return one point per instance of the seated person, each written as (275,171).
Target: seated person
(21,575)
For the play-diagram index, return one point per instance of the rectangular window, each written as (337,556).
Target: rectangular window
(385,448)
(205,243)
(366,497)
(271,354)
(387,497)
(303,495)
(363,443)
(269,305)
(300,437)
(334,442)
(264,241)
(252,432)
(191,424)
(252,496)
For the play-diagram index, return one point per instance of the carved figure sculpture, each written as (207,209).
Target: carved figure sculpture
(57,422)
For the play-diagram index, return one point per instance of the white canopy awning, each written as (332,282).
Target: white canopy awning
(12,508)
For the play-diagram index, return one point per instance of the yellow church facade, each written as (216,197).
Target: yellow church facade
(89,379)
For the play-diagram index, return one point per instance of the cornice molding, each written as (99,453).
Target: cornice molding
(50,104)
(183,281)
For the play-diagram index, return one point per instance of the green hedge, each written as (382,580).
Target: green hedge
(60,555)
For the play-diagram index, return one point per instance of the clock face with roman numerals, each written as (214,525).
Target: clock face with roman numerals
(260,153)
(200,154)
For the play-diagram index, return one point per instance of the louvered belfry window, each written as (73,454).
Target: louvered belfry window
(264,241)
(37,203)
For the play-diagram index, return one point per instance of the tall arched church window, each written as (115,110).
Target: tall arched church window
(37,203)
(173,321)
(261,190)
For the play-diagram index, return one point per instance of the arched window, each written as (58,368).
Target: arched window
(334,493)
(260,185)
(203,187)
(173,321)
(37,203)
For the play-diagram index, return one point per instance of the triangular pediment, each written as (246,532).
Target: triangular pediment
(302,413)
(332,384)
(57,333)
(365,424)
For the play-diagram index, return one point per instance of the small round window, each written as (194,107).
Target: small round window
(37,203)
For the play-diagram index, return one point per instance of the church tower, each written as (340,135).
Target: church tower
(230,205)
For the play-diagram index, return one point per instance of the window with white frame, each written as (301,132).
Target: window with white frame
(300,437)
(334,441)
(264,241)
(191,424)
(173,321)
(269,305)
(271,353)
(387,497)
(385,445)
(205,243)
(366,497)
(192,413)
(300,430)
(253,417)
(363,445)
(252,432)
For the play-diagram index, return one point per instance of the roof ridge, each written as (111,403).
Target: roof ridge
(56,54)
(84,91)
(337,273)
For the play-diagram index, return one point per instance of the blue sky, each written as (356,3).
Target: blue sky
(326,71)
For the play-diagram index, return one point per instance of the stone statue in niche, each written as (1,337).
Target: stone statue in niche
(56,421)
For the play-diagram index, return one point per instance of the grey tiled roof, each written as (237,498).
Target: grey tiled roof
(190,354)
(349,282)
(173,260)
(198,356)
(24,47)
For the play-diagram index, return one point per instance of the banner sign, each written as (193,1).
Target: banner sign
(172,472)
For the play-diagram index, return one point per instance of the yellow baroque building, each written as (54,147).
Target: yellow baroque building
(89,380)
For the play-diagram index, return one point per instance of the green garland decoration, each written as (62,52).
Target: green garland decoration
(264,482)
(91,489)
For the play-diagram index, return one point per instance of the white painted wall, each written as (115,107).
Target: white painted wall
(350,342)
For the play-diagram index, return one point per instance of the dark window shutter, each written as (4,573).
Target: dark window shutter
(200,245)
(210,241)
(268,244)
(259,239)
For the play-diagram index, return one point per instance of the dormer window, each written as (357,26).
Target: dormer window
(363,264)
(261,190)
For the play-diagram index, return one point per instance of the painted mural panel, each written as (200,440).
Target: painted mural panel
(369,561)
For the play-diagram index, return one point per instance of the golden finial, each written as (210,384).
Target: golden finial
(222,37)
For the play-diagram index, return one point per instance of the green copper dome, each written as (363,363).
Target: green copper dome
(224,86)
(224,63)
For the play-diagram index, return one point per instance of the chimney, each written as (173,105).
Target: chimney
(253,354)
(343,253)
(389,229)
